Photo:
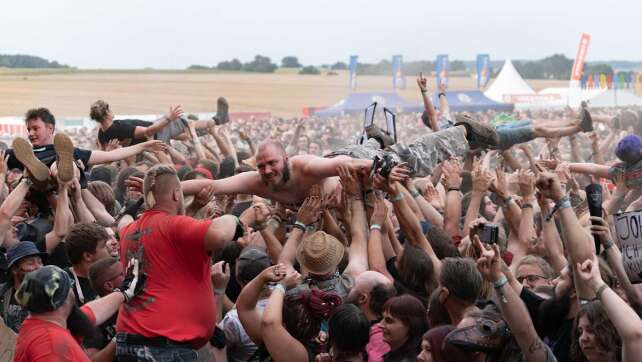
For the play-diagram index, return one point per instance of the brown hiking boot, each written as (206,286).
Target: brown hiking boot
(586,121)
(38,171)
(384,139)
(65,157)
(222,111)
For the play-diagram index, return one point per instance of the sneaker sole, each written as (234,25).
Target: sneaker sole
(222,110)
(23,151)
(65,157)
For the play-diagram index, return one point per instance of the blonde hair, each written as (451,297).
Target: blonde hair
(150,182)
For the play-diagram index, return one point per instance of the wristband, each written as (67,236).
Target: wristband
(397,197)
(453,189)
(299,225)
(375,227)
(424,91)
(500,282)
(415,194)
(600,290)
(279,287)
(527,205)
(441,94)
(507,200)
(563,203)
(219,291)
(608,244)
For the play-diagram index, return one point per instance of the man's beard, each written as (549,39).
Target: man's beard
(79,324)
(285,177)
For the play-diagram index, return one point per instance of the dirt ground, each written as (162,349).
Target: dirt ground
(143,92)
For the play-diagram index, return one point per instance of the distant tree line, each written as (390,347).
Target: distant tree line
(27,61)
(556,66)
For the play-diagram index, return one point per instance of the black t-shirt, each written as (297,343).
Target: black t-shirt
(83,284)
(104,335)
(123,130)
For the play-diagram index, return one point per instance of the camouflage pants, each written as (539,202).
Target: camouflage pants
(423,155)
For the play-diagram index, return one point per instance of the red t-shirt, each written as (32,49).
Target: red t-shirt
(177,301)
(40,340)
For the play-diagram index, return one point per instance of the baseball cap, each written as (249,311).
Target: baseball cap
(252,261)
(320,253)
(44,290)
(22,250)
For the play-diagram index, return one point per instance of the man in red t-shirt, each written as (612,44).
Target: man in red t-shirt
(48,296)
(175,312)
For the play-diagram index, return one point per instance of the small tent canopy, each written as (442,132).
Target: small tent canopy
(508,82)
(357,103)
(472,101)
(615,98)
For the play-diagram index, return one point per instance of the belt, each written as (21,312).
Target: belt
(151,341)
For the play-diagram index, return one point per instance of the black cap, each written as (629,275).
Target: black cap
(22,250)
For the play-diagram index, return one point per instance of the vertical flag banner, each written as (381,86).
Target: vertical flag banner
(597,81)
(638,81)
(398,78)
(583,81)
(589,82)
(609,81)
(578,65)
(483,70)
(352,69)
(441,69)
(602,80)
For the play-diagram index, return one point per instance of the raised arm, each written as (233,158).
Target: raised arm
(443,101)
(358,262)
(62,219)
(222,230)
(10,206)
(308,213)
(428,107)
(97,208)
(513,309)
(627,323)
(452,180)
(590,169)
(99,157)
(376,258)
(171,116)
(243,183)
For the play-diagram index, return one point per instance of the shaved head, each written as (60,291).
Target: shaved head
(368,279)
(270,144)
(159,185)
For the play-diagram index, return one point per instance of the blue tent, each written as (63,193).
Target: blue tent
(357,103)
(464,101)
(472,101)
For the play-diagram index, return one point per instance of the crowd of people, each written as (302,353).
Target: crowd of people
(468,238)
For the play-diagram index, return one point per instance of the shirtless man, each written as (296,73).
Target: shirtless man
(279,177)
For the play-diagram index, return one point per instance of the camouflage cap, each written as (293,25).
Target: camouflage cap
(44,290)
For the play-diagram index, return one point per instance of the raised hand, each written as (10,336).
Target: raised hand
(489,263)
(399,173)
(134,183)
(220,275)
(481,180)
(442,87)
(174,113)
(526,182)
(291,280)
(112,145)
(261,212)
(309,211)
(273,274)
(548,164)
(589,272)
(380,211)
(501,185)
(600,227)
(422,82)
(203,197)
(155,146)
(549,186)
(349,180)
(451,171)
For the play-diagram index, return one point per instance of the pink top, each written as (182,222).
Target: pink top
(376,346)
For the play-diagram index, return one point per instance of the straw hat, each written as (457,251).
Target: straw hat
(320,253)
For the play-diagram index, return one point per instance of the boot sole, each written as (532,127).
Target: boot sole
(23,151)
(65,157)
(222,110)
(481,135)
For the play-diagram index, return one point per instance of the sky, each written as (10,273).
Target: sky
(172,34)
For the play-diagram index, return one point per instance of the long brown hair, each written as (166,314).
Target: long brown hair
(603,329)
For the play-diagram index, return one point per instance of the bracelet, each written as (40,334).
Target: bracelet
(375,227)
(299,225)
(219,291)
(396,197)
(415,194)
(608,244)
(279,287)
(527,205)
(453,189)
(424,91)
(600,290)
(441,94)
(506,200)
(563,203)
(500,282)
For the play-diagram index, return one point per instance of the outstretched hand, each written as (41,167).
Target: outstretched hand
(380,211)
(422,82)
(309,211)
(489,263)
(549,186)
(174,113)
(589,272)
(273,274)
(155,146)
